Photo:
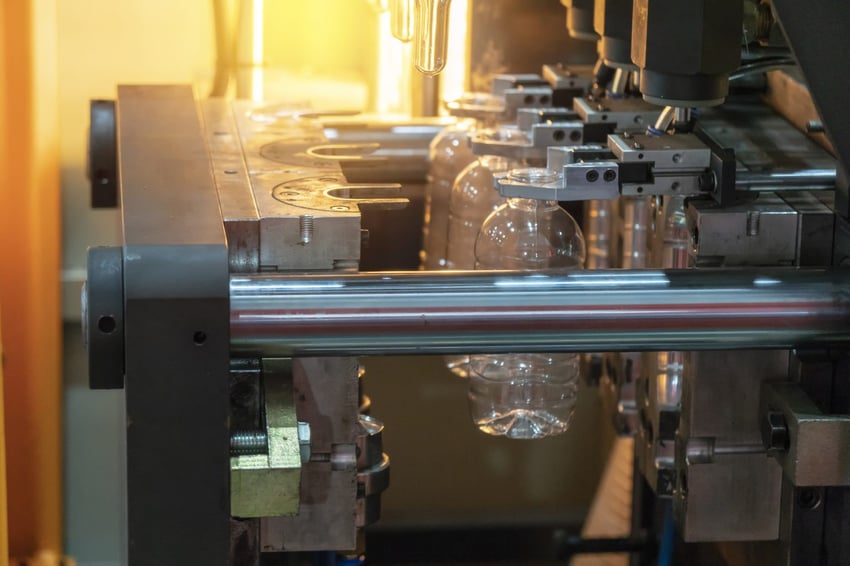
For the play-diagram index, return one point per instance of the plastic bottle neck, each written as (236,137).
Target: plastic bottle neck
(531,204)
(497,162)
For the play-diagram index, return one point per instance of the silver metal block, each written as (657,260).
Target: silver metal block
(763,232)
(326,396)
(734,496)
(818,445)
(682,152)
(629,114)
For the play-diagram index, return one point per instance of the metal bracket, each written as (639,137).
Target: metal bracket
(814,449)
(268,484)
(103,317)
(566,178)
(103,154)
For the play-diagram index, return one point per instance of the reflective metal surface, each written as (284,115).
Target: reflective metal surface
(803,179)
(498,312)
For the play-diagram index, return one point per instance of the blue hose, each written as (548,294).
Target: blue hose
(668,537)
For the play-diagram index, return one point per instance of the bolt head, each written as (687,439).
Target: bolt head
(775,432)
(304,441)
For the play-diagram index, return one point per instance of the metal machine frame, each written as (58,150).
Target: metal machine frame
(198,280)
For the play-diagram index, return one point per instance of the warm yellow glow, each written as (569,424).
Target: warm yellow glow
(453,77)
(394,70)
(318,53)
(257,50)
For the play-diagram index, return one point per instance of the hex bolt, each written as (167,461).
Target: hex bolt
(253,442)
(247,443)
(775,432)
(592,176)
(304,441)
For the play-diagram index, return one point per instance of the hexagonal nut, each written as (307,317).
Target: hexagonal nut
(775,432)
(304,441)
(687,37)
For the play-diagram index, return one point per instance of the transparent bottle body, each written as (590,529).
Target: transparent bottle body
(473,197)
(526,395)
(450,153)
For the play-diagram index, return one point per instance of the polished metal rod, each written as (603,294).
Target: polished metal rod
(782,180)
(495,312)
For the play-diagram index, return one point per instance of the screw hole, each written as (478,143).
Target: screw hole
(544,99)
(640,156)
(575,135)
(640,190)
(528,99)
(559,135)
(592,175)
(809,499)
(106,324)
(102,176)
(609,175)
(200,337)
(605,117)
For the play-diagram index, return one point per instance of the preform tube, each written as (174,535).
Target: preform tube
(431,22)
(401,19)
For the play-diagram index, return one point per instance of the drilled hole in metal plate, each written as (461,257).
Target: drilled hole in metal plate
(106,324)
(102,176)
(200,337)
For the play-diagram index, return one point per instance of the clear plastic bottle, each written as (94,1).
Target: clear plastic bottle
(473,198)
(526,395)
(450,152)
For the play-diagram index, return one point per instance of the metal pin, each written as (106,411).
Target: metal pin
(753,222)
(305,222)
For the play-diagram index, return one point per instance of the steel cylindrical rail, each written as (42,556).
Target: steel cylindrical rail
(422,313)
(798,180)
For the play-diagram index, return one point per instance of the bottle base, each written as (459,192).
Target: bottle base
(523,424)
